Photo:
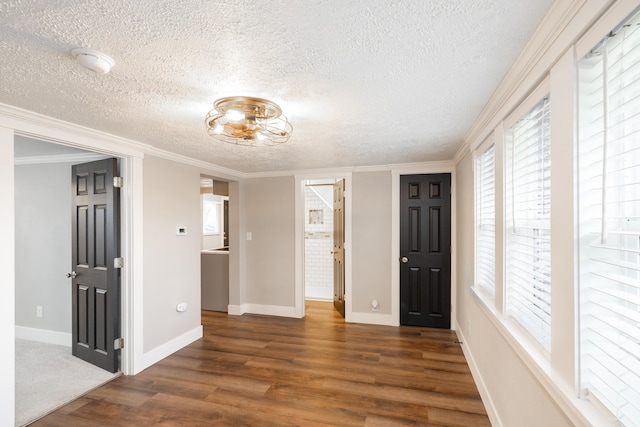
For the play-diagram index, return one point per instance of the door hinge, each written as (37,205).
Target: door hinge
(118,262)
(118,343)
(118,181)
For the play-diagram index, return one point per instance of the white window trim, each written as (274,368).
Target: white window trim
(477,154)
(218,204)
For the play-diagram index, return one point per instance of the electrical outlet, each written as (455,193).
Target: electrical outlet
(39,311)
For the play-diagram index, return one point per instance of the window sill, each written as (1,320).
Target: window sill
(579,411)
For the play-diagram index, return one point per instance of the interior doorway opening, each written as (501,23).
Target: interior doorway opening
(214,250)
(318,239)
(43,302)
(340,250)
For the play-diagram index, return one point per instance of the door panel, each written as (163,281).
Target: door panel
(95,244)
(338,246)
(425,242)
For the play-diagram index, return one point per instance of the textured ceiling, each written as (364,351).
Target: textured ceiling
(364,82)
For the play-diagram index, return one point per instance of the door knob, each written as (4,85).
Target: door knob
(404,260)
(72,275)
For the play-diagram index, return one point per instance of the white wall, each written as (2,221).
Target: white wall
(171,262)
(519,383)
(43,246)
(7,280)
(514,391)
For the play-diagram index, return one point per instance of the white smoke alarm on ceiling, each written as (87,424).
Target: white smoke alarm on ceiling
(93,60)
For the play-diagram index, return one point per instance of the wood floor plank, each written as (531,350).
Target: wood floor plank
(273,371)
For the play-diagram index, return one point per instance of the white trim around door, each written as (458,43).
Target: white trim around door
(299,239)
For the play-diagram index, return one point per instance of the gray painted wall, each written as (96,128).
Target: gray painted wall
(43,245)
(269,214)
(171,262)
(270,218)
(371,236)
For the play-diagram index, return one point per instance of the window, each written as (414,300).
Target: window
(609,221)
(486,220)
(211,214)
(527,224)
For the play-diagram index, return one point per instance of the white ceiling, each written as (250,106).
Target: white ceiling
(364,82)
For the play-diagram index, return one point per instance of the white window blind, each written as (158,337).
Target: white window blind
(528,266)
(486,220)
(609,201)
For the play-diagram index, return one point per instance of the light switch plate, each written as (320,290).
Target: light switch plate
(181,231)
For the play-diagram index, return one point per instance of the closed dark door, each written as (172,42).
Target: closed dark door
(338,246)
(95,280)
(425,250)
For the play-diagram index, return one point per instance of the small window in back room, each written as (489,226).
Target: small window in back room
(211,214)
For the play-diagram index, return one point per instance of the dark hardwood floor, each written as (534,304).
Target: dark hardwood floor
(268,371)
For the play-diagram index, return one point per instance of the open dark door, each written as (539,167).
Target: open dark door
(96,248)
(338,246)
(425,250)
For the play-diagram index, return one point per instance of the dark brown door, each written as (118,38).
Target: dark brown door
(425,250)
(338,246)
(95,245)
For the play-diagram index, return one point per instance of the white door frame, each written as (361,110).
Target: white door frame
(299,239)
(419,169)
(43,128)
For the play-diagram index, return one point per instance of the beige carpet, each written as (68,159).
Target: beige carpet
(48,376)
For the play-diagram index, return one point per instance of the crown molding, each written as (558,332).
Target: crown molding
(209,168)
(38,126)
(563,24)
(45,128)
(60,158)
(462,151)
(444,166)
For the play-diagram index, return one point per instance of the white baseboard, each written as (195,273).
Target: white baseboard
(320,293)
(235,310)
(373,319)
(268,310)
(157,354)
(477,377)
(43,335)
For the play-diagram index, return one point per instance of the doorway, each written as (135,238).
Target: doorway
(315,254)
(43,302)
(318,240)
(214,250)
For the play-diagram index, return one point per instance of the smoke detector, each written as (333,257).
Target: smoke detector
(93,60)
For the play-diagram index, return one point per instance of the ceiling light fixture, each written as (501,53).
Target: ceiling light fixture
(244,120)
(93,60)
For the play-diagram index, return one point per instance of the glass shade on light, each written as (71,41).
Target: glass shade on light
(242,120)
